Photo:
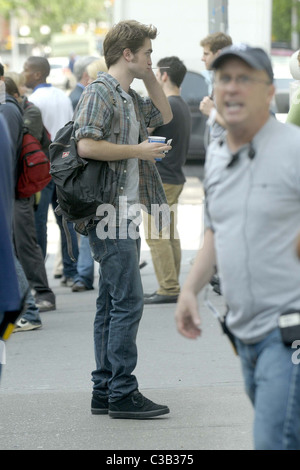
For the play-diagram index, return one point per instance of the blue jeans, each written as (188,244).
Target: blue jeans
(85,263)
(272,382)
(119,310)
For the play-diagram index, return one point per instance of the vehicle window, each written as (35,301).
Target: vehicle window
(194,88)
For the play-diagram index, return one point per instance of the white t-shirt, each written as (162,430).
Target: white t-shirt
(55,106)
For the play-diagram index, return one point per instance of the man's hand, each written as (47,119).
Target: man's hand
(149,77)
(186,315)
(151,151)
(206,105)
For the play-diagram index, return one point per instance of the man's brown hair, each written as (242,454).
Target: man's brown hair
(126,34)
(11,87)
(216,41)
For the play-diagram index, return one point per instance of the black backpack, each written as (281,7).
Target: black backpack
(81,184)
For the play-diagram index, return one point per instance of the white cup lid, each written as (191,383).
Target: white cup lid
(156,138)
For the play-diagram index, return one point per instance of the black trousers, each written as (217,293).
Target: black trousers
(28,250)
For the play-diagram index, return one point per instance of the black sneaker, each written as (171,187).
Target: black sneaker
(99,405)
(136,406)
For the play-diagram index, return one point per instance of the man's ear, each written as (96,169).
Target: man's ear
(271,93)
(127,54)
(164,76)
(38,75)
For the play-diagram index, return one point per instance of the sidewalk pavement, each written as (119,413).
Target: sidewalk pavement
(46,386)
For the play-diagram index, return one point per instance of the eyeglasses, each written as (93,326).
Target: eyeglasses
(244,81)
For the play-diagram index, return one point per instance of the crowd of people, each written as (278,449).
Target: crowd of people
(252,202)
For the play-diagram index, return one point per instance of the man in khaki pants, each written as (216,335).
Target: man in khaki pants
(165,247)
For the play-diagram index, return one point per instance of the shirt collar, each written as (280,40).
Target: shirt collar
(42,85)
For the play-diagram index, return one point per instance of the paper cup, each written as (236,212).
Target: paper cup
(156,138)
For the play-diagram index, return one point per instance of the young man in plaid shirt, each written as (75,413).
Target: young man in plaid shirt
(127,51)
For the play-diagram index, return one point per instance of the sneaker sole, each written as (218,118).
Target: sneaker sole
(99,411)
(27,328)
(138,415)
(47,309)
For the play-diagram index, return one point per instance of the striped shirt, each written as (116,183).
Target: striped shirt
(93,119)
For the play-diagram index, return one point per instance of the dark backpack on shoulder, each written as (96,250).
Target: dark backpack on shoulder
(81,185)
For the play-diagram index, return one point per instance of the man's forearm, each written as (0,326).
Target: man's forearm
(204,265)
(220,120)
(158,97)
(107,151)
(104,150)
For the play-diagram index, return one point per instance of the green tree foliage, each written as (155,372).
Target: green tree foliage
(281,19)
(54,13)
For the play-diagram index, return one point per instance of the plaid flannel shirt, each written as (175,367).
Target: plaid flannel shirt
(93,119)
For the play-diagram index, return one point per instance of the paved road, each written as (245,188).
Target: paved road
(46,385)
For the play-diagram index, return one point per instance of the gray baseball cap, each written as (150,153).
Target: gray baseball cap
(255,57)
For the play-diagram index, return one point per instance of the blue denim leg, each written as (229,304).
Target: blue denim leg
(272,382)
(32,313)
(119,310)
(85,263)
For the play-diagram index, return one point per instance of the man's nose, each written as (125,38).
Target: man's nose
(232,84)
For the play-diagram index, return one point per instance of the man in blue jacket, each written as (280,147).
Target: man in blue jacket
(9,288)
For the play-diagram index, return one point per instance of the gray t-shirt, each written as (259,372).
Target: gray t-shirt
(132,181)
(131,191)
(253,207)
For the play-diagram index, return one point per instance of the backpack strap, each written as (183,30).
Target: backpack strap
(68,237)
(115,125)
